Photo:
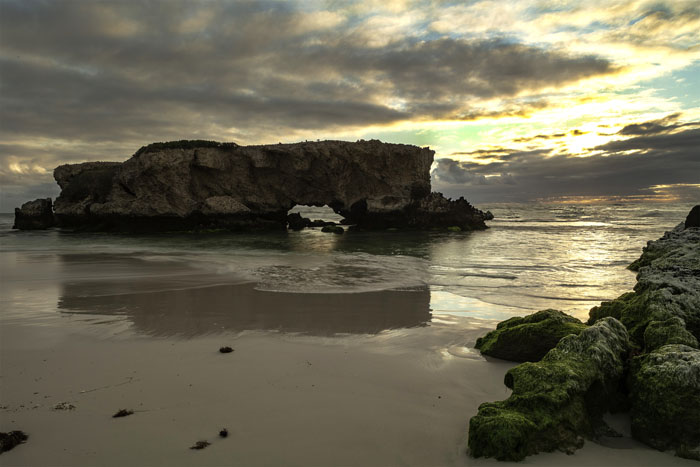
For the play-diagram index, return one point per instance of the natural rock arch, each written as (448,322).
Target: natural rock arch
(201,184)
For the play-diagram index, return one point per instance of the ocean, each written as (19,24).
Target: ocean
(533,256)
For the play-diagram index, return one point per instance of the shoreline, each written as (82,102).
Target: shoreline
(367,378)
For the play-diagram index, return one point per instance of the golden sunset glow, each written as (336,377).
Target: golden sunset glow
(474,81)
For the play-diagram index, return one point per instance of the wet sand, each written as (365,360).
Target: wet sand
(315,379)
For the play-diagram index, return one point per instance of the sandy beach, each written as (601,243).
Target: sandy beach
(314,379)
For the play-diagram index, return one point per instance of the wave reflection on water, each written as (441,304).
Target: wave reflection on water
(533,257)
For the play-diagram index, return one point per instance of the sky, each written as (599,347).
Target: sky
(523,100)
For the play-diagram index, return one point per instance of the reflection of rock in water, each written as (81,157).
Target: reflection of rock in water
(195,311)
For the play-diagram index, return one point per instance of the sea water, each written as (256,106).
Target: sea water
(532,257)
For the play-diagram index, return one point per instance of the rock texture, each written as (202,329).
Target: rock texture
(555,401)
(200,184)
(528,338)
(34,215)
(665,398)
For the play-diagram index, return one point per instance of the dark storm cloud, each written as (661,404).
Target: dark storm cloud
(536,137)
(652,127)
(688,140)
(454,172)
(670,159)
(158,70)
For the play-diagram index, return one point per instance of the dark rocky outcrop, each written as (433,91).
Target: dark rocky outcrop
(528,338)
(693,219)
(556,401)
(35,215)
(202,185)
(322,223)
(296,222)
(336,229)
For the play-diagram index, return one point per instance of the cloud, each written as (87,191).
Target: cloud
(687,140)
(97,80)
(453,172)
(99,70)
(651,127)
(662,166)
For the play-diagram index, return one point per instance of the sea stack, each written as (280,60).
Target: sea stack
(186,185)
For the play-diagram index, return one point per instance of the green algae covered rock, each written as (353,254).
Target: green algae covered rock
(668,286)
(665,397)
(632,309)
(528,338)
(556,401)
(671,331)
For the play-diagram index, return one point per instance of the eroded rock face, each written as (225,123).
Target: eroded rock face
(199,184)
(556,401)
(528,338)
(34,215)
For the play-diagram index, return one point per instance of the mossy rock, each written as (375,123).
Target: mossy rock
(632,309)
(671,331)
(556,401)
(528,338)
(501,433)
(336,229)
(665,399)
(454,228)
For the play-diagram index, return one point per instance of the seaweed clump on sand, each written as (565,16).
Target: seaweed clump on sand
(11,439)
(559,400)
(123,413)
(528,338)
(556,400)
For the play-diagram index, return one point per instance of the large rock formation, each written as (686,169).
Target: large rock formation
(200,184)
